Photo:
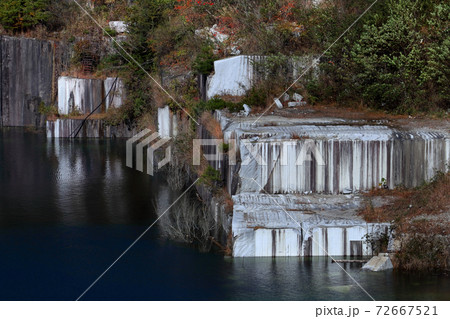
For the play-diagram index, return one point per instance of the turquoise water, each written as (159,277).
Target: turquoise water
(69,209)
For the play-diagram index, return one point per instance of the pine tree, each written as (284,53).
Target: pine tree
(20,15)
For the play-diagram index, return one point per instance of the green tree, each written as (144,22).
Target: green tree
(23,14)
(399,60)
(204,62)
(144,17)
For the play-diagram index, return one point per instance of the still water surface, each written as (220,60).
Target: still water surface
(69,209)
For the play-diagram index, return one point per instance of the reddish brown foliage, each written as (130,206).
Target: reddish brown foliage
(211,124)
(430,199)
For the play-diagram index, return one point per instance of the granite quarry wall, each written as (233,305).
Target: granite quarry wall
(280,208)
(350,157)
(235,75)
(30,78)
(77,95)
(284,206)
(28,72)
(92,128)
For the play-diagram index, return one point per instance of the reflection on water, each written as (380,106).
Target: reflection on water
(317,278)
(70,182)
(69,208)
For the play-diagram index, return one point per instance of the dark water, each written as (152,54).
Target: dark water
(69,209)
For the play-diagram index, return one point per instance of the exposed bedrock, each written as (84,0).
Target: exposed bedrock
(76,95)
(115,93)
(295,225)
(92,128)
(332,156)
(167,122)
(295,181)
(236,75)
(28,72)
(79,95)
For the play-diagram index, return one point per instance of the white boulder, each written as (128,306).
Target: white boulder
(297,97)
(379,263)
(294,104)
(247,109)
(278,103)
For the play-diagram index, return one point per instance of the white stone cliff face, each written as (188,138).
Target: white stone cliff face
(272,216)
(118,26)
(233,76)
(167,122)
(267,225)
(27,78)
(332,157)
(78,95)
(92,128)
(236,75)
(116,90)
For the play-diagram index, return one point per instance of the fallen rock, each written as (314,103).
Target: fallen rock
(297,97)
(294,104)
(278,103)
(379,263)
(247,109)
(347,191)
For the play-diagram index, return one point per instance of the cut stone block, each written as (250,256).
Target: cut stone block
(247,109)
(294,104)
(278,103)
(297,97)
(379,263)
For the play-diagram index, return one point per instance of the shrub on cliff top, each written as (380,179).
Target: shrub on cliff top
(144,17)
(210,177)
(24,14)
(399,59)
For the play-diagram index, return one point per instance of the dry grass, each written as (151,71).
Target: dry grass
(76,72)
(360,112)
(430,199)
(352,112)
(96,116)
(295,136)
(228,201)
(159,97)
(147,121)
(211,124)
(231,98)
(420,219)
